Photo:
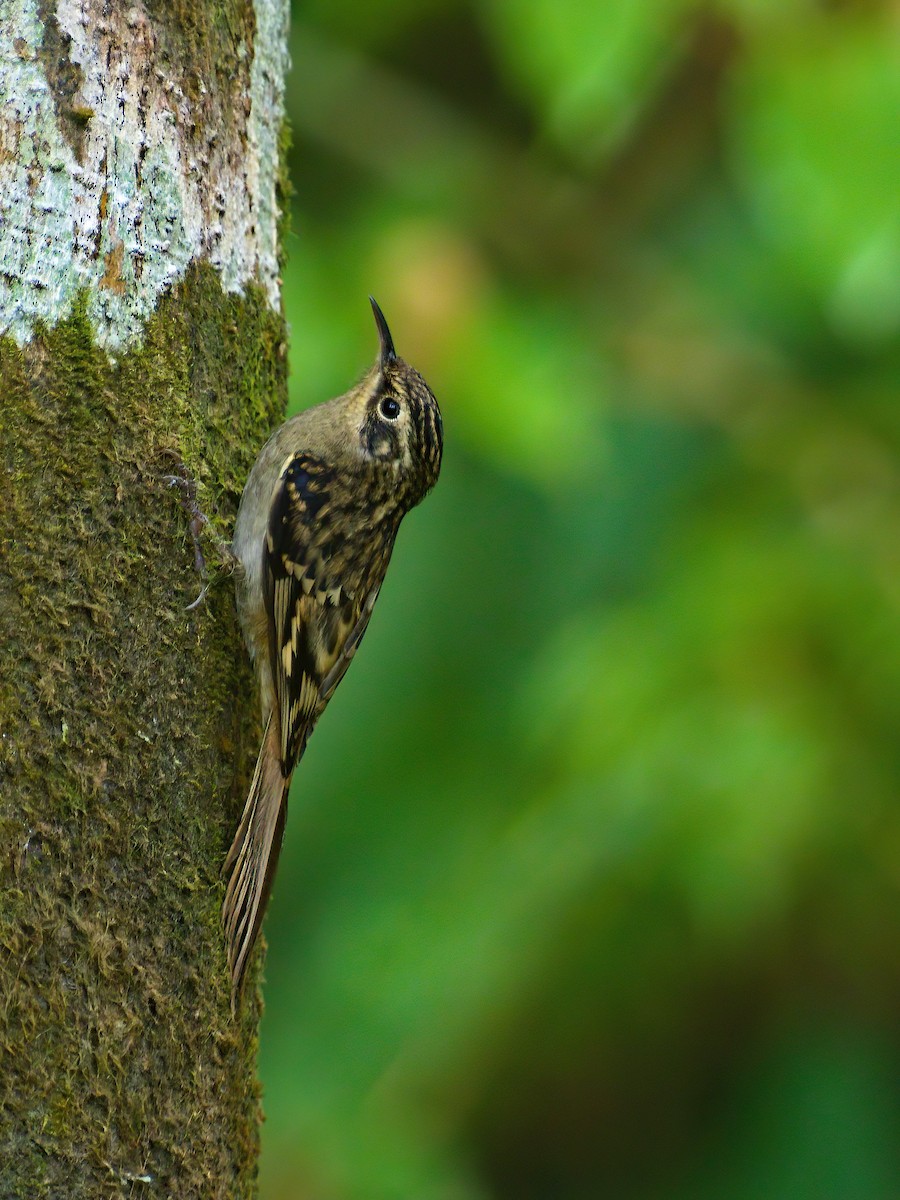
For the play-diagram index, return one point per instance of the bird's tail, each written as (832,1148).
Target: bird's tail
(253,857)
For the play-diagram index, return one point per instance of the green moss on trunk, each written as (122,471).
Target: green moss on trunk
(125,733)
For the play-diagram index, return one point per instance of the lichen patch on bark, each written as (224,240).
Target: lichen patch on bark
(135,140)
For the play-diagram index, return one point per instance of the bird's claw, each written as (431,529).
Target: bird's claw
(196,603)
(197,519)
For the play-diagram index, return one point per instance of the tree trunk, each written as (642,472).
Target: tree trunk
(141,325)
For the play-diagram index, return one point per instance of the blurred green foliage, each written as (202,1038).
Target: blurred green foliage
(592,876)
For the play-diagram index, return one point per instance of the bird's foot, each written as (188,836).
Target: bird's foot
(197,522)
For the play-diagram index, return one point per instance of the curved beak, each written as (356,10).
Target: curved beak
(388,353)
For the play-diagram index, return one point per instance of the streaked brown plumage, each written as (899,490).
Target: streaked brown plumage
(313,539)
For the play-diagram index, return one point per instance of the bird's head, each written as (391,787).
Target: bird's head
(398,419)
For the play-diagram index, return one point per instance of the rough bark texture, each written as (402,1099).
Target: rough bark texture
(126,722)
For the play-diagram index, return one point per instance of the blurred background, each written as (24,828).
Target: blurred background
(591,885)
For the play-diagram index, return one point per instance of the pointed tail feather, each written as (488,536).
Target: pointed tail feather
(253,857)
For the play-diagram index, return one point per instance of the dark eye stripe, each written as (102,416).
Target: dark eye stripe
(381,438)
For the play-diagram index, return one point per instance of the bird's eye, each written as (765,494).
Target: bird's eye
(389,408)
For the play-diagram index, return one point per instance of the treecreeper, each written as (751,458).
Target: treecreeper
(313,538)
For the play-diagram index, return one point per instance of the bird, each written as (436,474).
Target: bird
(312,541)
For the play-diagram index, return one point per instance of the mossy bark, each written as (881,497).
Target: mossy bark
(126,733)
(125,729)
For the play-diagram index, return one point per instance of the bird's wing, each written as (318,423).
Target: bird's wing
(315,623)
(342,662)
